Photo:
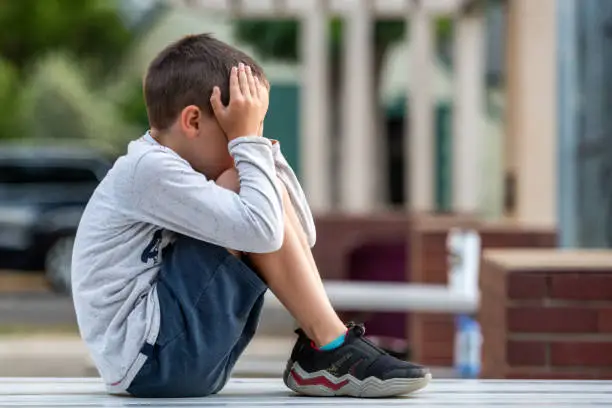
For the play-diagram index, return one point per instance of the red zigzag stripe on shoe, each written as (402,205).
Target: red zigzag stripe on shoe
(319,380)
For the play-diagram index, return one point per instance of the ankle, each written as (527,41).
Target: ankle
(323,336)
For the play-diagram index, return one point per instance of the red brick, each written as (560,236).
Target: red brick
(438,352)
(435,250)
(603,375)
(435,276)
(434,240)
(551,320)
(581,286)
(527,286)
(439,330)
(507,241)
(526,353)
(441,361)
(605,320)
(595,354)
(435,256)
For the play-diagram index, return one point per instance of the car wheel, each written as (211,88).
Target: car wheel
(58,264)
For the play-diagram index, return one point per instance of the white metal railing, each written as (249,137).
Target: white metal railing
(460,296)
(392,297)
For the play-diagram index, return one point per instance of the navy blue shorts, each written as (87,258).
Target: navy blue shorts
(210,304)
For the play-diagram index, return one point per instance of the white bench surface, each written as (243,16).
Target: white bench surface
(393,297)
(245,393)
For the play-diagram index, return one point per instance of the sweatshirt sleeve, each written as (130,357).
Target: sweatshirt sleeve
(168,192)
(287,176)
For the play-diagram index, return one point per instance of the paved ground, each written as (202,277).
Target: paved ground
(36,309)
(22,281)
(247,393)
(26,299)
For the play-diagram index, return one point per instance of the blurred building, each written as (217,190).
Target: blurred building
(360,168)
(514,126)
(585,124)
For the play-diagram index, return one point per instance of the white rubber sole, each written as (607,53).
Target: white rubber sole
(323,384)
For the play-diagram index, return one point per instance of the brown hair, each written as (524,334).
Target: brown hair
(185,73)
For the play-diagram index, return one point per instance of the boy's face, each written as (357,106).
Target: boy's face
(204,144)
(210,148)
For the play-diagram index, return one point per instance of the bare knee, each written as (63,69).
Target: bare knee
(229,180)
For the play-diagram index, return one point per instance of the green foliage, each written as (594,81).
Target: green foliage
(131,105)
(10,102)
(444,29)
(276,39)
(60,106)
(90,29)
(59,60)
(389,32)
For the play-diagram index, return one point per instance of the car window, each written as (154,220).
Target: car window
(12,174)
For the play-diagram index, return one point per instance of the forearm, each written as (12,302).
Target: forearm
(169,193)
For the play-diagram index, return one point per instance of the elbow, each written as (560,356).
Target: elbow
(271,239)
(312,239)
(276,239)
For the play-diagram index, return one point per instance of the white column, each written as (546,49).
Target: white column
(531,116)
(358,152)
(468,109)
(314,138)
(419,172)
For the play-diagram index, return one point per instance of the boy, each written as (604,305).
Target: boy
(182,238)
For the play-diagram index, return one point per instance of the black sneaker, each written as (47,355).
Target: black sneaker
(358,368)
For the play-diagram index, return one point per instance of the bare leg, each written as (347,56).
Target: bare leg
(292,276)
(297,226)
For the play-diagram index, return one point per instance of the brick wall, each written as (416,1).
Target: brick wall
(547,314)
(432,335)
(339,235)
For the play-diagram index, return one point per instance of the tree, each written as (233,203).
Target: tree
(88,35)
(91,30)
(61,107)
(10,102)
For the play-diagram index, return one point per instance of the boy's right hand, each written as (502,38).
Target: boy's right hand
(247,106)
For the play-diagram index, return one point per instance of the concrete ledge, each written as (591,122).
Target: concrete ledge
(550,259)
(83,392)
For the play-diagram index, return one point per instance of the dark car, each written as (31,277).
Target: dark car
(43,192)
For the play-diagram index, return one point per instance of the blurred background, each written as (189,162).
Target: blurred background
(405,120)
